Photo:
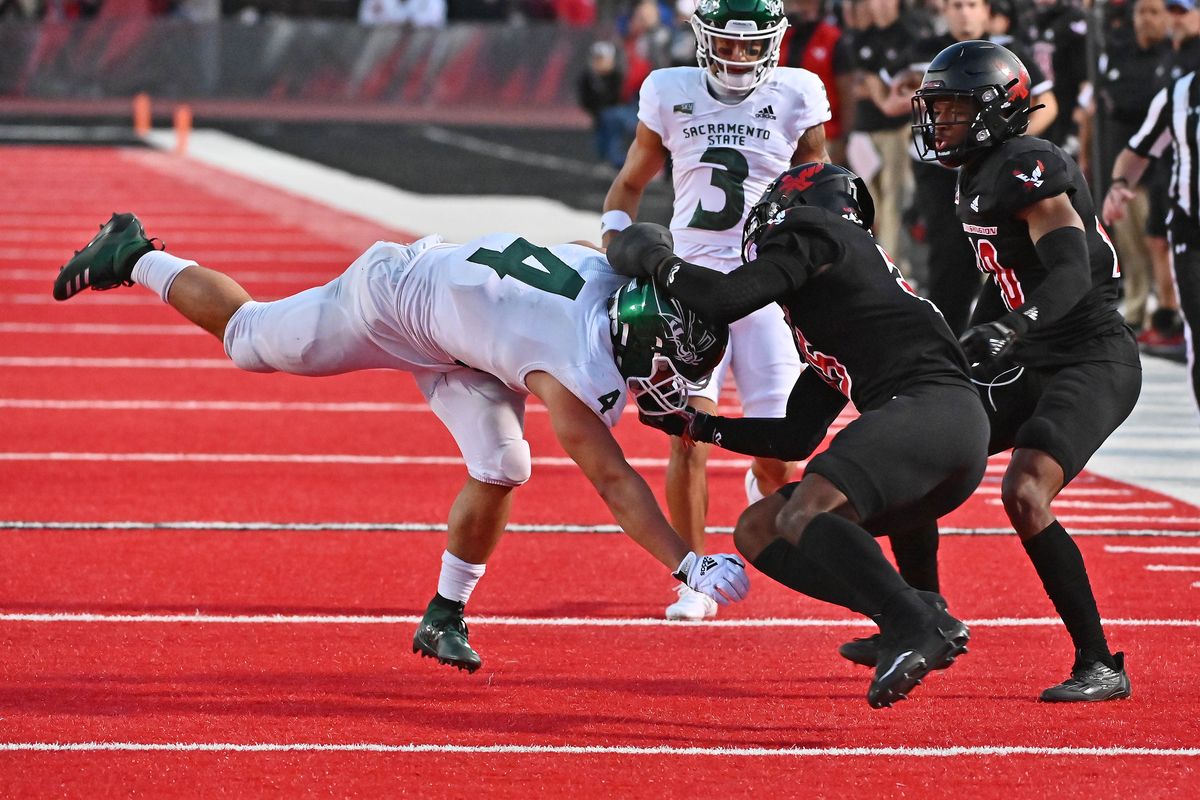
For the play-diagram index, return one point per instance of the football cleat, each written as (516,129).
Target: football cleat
(905,659)
(1092,682)
(105,262)
(442,634)
(691,605)
(865,651)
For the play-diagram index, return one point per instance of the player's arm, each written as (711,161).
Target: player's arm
(782,266)
(591,445)
(812,407)
(811,146)
(1057,233)
(646,158)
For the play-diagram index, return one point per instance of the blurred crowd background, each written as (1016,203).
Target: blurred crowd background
(578,64)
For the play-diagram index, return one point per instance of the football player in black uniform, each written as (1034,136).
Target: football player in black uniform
(918,448)
(1056,365)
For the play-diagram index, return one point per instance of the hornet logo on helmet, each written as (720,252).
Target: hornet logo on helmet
(678,334)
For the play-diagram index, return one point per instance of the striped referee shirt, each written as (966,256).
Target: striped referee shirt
(1174,118)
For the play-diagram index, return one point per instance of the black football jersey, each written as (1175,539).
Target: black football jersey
(857,322)
(991,190)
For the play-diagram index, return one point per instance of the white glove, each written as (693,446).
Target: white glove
(722,577)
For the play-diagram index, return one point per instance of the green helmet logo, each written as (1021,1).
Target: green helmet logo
(738,41)
(662,348)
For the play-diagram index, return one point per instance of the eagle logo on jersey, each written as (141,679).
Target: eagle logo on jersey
(1034,179)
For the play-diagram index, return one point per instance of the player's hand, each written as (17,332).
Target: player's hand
(987,342)
(638,250)
(722,576)
(676,423)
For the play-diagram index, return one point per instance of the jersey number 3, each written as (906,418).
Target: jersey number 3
(729,175)
(554,276)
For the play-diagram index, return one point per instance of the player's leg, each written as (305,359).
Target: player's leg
(687,497)
(486,419)
(1051,448)
(765,367)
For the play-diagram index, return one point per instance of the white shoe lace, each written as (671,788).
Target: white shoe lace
(691,605)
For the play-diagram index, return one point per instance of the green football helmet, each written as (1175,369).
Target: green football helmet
(662,349)
(757,25)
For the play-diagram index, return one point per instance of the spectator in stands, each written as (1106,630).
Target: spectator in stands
(414,13)
(814,42)
(878,147)
(647,45)
(1132,68)
(26,9)
(600,87)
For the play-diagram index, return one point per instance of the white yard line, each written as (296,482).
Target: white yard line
(949,751)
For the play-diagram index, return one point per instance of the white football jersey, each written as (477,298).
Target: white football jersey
(507,307)
(724,156)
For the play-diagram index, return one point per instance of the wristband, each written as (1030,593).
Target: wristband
(615,220)
(684,566)
(1115,181)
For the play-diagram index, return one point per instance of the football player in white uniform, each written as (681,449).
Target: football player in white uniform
(729,126)
(481,327)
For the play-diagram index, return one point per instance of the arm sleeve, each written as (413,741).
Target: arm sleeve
(725,297)
(1064,253)
(812,408)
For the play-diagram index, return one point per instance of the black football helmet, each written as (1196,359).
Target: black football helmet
(827,186)
(662,348)
(993,86)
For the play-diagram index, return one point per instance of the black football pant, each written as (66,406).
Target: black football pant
(1184,237)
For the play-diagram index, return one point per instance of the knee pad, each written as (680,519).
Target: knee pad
(509,465)
(239,339)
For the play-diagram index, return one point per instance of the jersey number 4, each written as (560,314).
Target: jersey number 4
(729,175)
(551,274)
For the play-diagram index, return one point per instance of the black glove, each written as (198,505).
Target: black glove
(987,342)
(637,251)
(692,425)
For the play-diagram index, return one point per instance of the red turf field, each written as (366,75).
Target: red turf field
(184,613)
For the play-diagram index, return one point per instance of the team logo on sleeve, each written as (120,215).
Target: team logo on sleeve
(683,108)
(1032,180)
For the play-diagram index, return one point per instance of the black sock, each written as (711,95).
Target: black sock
(852,562)
(782,561)
(446,603)
(916,556)
(1059,564)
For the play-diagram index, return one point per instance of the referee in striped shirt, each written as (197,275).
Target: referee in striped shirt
(1173,119)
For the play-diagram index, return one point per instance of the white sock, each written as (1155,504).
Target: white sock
(753,493)
(458,577)
(157,270)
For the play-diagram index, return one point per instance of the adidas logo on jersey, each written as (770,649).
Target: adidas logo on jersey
(683,108)
(766,112)
(975,204)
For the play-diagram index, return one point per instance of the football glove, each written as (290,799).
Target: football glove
(722,577)
(637,251)
(689,424)
(987,342)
